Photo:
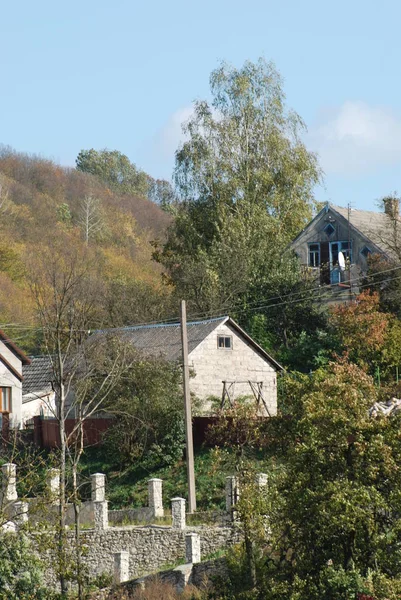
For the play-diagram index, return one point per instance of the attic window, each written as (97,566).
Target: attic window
(329,229)
(225,341)
(366,251)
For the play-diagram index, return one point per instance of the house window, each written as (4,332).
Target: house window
(336,247)
(225,341)
(366,251)
(329,229)
(346,249)
(5,399)
(314,255)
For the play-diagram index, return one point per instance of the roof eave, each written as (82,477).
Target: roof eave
(325,208)
(255,345)
(14,349)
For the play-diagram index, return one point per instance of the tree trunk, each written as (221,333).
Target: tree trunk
(76,502)
(250,556)
(62,504)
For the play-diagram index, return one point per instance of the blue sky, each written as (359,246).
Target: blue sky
(123,75)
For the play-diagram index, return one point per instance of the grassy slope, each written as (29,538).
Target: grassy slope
(128,486)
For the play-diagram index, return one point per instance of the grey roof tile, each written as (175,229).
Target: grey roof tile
(374,225)
(165,339)
(37,376)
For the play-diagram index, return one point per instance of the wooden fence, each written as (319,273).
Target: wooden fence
(46,431)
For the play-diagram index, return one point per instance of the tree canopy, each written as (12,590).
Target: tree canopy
(245,180)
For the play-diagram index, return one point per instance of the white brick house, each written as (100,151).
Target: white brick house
(12,359)
(226,362)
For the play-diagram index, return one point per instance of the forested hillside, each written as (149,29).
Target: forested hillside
(42,205)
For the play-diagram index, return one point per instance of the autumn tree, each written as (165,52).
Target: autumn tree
(84,371)
(5,201)
(369,336)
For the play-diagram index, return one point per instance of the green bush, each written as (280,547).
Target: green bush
(149,425)
(21,572)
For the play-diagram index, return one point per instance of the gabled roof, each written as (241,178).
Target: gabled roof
(374,226)
(14,348)
(164,339)
(37,376)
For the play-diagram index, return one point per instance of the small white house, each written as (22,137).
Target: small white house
(226,361)
(12,360)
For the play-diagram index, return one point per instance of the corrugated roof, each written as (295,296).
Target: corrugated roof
(373,225)
(154,340)
(165,339)
(37,376)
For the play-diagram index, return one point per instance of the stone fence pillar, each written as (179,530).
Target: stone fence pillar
(9,483)
(192,548)
(178,513)
(21,513)
(261,481)
(121,567)
(101,515)
(155,496)
(53,484)
(98,487)
(232,495)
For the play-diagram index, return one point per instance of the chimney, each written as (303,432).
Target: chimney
(392,207)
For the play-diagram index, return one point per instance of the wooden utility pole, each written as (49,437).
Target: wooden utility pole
(188,415)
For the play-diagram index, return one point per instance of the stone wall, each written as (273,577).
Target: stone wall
(147,549)
(150,548)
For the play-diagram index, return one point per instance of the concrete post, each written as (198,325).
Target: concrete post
(9,527)
(232,494)
(261,481)
(21,513)
(101,515)
(155,496)
(184,573)
(9,486)
(53,484)
(98,487)
(192,548)
(121,567)
(178,513)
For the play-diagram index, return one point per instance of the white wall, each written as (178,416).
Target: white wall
(213,365)
(45,405)
(7,379)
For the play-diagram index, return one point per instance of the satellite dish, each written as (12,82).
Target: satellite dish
(341,261)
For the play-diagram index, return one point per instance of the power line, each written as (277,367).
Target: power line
(300,296)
